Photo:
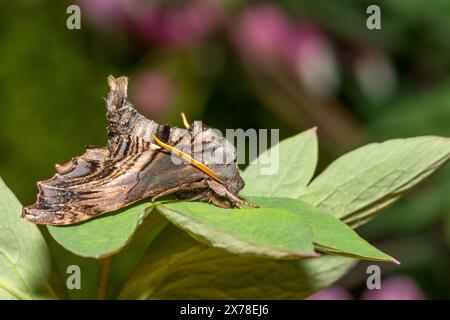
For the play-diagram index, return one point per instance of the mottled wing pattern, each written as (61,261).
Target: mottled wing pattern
(130,169)
(91,184)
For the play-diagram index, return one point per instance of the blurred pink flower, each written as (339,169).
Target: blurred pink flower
(332,293)
(312,56)
(180,26)
(265,36)
(395,288)
(152,92)
(104,14)
(260,33)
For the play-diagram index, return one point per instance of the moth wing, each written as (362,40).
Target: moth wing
(106,179)
(96,182)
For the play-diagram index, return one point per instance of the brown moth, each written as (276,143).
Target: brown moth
(138,163)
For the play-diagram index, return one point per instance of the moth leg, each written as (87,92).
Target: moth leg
(223,192)
(183,187)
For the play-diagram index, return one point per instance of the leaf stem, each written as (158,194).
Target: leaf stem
(105,267)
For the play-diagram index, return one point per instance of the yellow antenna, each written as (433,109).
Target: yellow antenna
(189,159)
(185,121)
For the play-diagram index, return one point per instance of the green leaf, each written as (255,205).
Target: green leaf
(359,184)
(103,236)
(25,266)
(175,266)
(275,233)
(329,233)
(89,270)
(294,158)
(126,260)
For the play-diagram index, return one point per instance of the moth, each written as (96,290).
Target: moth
(142,159)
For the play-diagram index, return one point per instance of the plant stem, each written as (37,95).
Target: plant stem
(105,267)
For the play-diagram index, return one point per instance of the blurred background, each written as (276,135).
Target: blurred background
(288,64)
